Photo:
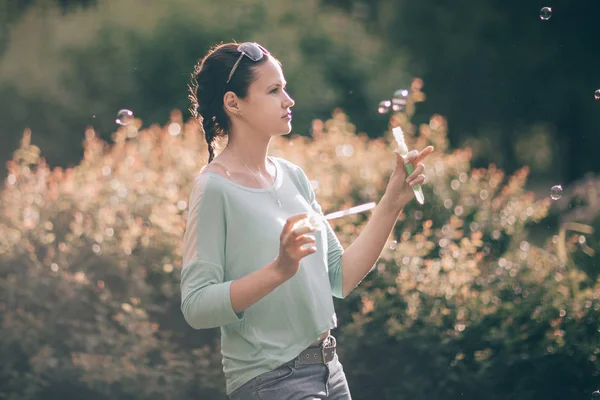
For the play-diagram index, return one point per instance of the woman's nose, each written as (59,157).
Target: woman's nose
(289,102)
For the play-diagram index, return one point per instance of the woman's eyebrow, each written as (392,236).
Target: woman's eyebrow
(279,84)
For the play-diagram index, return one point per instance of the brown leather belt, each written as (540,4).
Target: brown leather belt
(318,355)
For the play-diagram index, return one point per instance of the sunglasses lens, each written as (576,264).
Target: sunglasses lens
(252,50)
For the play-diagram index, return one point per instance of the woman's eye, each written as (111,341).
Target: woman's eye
(274,90)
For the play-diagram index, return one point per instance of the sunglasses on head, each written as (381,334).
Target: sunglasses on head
(252,50)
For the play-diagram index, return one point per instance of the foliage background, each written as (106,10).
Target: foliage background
(502,77)
(67,71)
(489,291)
(463,304)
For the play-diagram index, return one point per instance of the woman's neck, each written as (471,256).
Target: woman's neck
(252,154)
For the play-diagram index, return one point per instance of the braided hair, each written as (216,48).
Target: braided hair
(208,87)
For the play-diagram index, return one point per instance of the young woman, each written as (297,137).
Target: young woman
(247,269)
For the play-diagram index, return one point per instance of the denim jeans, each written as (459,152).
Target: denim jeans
(292,381)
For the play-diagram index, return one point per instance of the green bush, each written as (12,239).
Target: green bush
(465,305)
(90,260)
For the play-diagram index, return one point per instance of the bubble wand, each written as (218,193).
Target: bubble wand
(350,211)
(313,219)
(399,136)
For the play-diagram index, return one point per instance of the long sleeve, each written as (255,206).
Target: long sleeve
(335,250)
(205,298)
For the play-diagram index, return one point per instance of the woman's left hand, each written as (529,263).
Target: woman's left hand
(399,188)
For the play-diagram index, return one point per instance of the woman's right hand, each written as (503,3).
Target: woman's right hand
(290,248)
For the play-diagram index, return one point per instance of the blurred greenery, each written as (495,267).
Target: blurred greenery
(489,291)
(61,72)
(494,69)
(463,304)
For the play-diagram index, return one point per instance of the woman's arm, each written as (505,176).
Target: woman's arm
(251,288)
(360,257)
(208,301)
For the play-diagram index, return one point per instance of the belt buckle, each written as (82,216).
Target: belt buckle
(323,353)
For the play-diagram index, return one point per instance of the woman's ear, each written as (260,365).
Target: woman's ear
(231,103)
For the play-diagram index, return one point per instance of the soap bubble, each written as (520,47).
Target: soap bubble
(393,245)
(174,129)
(124,117)
(384,107)
(398,104)
(546,13)
(556,192)
(401,94)
(399,100)
(312,220)
(597,94)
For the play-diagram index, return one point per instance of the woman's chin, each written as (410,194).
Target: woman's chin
(282,131)
(287,131)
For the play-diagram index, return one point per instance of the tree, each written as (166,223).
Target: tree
(102,59)
(496,70)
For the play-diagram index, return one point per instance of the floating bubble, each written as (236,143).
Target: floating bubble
(401,94)
(384,107)
(174,129)
(393,245)
(398,104)
(556,192)
(597,94)
(546,13)
(124,117)
(312,220)
(399,99)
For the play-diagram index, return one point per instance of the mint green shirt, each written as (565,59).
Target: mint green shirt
(233,230)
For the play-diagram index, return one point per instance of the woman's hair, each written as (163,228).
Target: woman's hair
(209,85)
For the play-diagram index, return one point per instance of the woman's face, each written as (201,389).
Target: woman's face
(266,108)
